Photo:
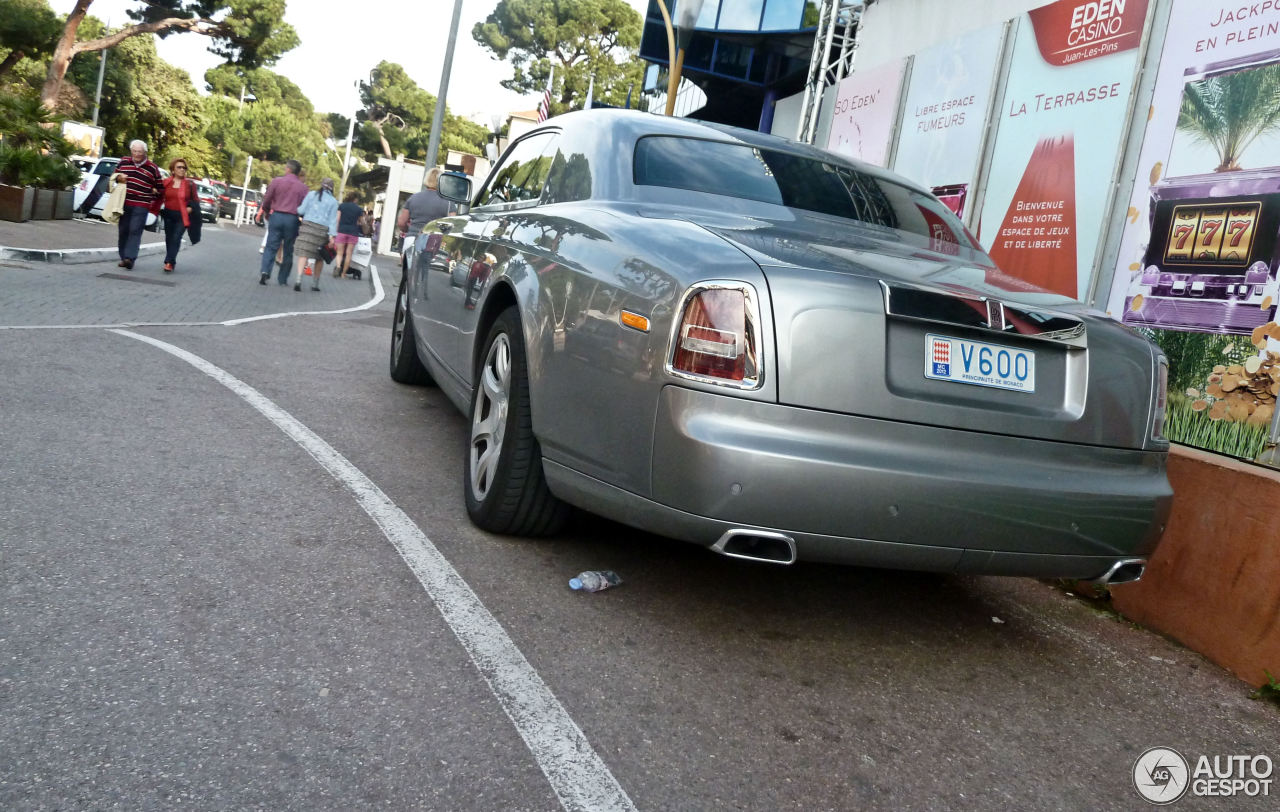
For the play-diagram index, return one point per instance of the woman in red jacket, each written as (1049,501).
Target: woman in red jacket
(181,211)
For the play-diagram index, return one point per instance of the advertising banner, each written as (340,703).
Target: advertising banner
(865,113)
(86,137)
(940,141)
(1200,248)
(1061,124)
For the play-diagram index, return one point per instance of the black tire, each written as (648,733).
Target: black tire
(506,489)
(406,366)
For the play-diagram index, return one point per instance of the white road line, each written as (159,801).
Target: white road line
(378,295)
(577,775)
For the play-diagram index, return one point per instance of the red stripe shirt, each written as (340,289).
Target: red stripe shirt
(144,182)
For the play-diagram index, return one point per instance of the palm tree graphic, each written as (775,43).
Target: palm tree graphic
(1231,111)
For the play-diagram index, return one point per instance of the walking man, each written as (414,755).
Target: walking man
(144,194)
(284,195)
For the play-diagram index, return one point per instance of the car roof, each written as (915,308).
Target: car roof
(634,124)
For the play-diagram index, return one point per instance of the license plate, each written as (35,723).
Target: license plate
(959,360)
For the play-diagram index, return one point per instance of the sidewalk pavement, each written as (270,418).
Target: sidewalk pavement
(215,282)
(68,241)
(88,240)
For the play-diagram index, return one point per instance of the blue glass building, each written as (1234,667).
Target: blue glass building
(745,54)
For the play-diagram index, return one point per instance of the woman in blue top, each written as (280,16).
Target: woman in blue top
(319,213)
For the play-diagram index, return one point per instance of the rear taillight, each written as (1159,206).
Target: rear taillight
(717,336)
(1162,400)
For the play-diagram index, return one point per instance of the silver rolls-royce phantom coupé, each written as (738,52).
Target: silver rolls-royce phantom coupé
(760,347)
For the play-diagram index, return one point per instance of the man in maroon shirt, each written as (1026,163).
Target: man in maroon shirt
(284,195)
(145,193)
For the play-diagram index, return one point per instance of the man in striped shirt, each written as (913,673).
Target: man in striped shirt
(145,192)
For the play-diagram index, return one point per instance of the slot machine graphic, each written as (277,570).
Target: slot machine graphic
(1211,263)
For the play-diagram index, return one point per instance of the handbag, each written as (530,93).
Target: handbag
(328,253)
(113,209)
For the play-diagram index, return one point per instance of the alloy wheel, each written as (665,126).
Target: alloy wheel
(489,416)
(397,329)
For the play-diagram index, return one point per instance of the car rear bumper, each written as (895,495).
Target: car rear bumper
(854,490)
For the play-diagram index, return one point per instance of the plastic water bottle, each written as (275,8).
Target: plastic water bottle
(594,580)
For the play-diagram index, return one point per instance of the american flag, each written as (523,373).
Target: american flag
(544,106)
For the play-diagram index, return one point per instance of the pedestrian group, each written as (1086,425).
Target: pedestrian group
(309,224)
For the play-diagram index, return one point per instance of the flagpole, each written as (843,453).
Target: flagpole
(544,109)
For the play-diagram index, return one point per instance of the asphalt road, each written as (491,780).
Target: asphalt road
(196,613)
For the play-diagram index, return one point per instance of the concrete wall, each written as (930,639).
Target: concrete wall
(405,177)
(786,115)
(518,126)
(897,28)
(1214,582)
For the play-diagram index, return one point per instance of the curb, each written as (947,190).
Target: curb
(74,256)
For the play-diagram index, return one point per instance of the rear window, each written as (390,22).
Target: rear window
(801,182)
(105,167)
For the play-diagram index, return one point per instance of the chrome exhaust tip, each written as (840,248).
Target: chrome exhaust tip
(1124,571)
(757,545)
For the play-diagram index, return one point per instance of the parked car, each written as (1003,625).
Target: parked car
(763,348)
(219,186)
(232,197)
(95,173)
(209,203)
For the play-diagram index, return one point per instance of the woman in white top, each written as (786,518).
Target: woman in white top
(319,213)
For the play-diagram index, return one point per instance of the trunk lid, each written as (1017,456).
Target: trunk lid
(883,323)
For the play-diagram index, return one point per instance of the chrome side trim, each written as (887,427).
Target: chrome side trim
(981,313)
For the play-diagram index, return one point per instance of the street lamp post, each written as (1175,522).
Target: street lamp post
(102,72)
(243,209)
(97,96)
(351,132)
(437,120)
(687,11)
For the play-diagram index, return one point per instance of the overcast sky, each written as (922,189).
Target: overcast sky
(343,39)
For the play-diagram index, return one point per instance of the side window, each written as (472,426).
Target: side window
(570,176)
(506,184)
(531,182)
